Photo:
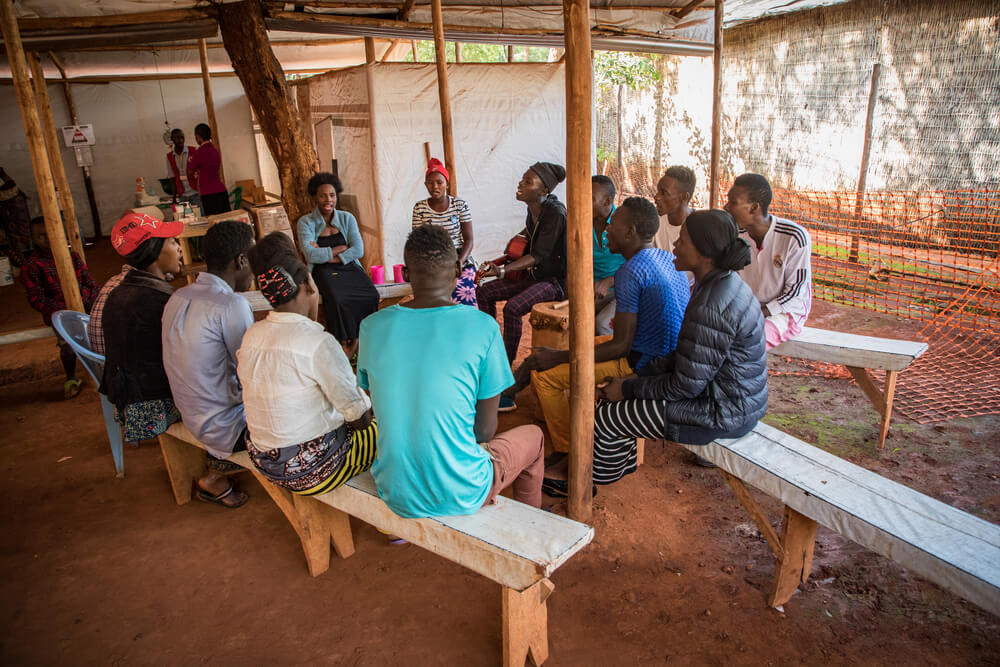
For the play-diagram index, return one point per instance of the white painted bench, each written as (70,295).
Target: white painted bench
(25,335)
(859,354)
(513,544)
(385,291)
(957,551)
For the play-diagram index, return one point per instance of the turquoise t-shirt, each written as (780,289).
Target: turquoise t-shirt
(605,261)
(426,369)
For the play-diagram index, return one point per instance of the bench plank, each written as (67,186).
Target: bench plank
(837,347)
(511,543)
(956,550)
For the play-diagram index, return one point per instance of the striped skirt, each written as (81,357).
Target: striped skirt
(616,427)
(321,464)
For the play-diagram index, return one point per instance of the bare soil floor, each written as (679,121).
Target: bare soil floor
(104,571)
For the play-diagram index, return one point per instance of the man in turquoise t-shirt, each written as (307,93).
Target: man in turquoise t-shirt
(606,263)
(435,371)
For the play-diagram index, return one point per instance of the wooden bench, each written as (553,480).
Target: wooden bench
(957,551)
(859,354)
(513,544)
(25,335)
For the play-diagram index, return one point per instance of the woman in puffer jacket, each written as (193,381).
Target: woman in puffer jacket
(714,385)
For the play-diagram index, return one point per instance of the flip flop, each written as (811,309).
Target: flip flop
(219,498)
(558,488)
(71,388)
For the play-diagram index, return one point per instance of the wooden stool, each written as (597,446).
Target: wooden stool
(550,325)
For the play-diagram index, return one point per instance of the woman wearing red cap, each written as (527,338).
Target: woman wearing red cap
(452,213)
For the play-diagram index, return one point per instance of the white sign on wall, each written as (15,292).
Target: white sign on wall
(78,135)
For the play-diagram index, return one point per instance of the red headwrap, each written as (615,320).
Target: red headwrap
(435,164)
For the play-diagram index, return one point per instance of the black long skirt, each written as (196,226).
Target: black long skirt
(348,297)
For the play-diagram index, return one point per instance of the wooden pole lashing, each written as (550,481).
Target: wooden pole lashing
(713,178)
(579,232)
(210,102)
(39,158)
(55,155)
(866,150)
(444,96)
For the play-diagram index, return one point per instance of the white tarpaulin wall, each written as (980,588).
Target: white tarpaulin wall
(505,118)
(128,124)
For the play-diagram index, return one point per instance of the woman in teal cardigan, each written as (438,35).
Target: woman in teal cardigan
(332,245)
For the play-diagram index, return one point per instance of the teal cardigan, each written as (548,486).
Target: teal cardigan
(311,224)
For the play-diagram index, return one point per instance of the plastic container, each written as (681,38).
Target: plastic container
(378,274)
(397,273)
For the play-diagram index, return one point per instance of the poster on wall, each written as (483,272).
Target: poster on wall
(78,135)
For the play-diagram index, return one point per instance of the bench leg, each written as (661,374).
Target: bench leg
(798,537)
(640,451)
(526,624)
(882,400)
(316,524)
(185,463)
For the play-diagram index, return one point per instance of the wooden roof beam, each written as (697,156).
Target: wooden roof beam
(114,20)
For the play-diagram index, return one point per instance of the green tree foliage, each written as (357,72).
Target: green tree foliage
(481,53)
(618,68)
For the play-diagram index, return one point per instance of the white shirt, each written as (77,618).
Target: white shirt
(297,382)
(667,235)
(780,272)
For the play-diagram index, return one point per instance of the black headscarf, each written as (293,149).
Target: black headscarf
(551,174)
(715,235)
(147,253)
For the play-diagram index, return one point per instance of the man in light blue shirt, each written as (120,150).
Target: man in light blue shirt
(435,371)
(203,326)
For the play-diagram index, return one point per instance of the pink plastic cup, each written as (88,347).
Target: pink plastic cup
(397,273)
(378,274)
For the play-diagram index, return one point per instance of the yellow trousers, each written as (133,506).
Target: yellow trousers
(552,388)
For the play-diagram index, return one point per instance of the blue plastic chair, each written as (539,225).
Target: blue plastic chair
(72,327)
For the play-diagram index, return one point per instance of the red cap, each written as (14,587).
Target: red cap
(435,164)
(134,228)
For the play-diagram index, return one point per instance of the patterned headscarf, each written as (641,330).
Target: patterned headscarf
(277,285)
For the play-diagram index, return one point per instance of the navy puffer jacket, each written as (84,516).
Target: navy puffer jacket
(715,383)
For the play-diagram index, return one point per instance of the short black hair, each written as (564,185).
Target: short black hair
(428,248)
(37,220)
(606,183)
(224,242)
(643,216)
(204,131)
(684,176)
(324,178)
(277,249)
(758,189)
(177,129)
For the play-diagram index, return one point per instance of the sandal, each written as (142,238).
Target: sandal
(71,388)
(558,488)
(219,499)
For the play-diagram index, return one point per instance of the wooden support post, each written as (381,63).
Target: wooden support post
(413,48)
(510,53)
(95,216)
(392,45)
(369,49)
(798,537)
(375,255)
(444,97)
(525,624)
(39,158)
(70,223)
(866,150)
(579,232)
(427,152)
(713,196)
(882,400)
(185,463)
(206,83)
(458,52)
(244,34)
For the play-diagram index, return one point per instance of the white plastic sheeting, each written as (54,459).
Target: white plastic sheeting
(128,122)
(505,116)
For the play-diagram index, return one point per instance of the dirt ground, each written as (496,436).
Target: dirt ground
(104,571)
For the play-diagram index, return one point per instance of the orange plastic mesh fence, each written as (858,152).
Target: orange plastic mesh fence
(932,256)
